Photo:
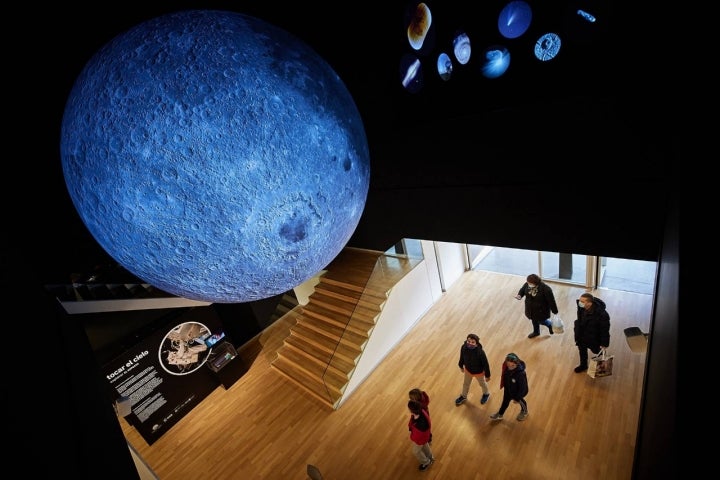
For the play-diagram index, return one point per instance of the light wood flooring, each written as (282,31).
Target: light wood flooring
(264,427)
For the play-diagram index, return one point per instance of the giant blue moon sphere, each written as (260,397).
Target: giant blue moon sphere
(215,156)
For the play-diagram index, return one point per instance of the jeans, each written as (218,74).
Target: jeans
(536,325)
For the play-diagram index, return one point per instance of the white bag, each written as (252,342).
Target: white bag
(601,365)
(557,324)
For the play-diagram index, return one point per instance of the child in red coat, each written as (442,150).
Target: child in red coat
(423,398)
(420,431)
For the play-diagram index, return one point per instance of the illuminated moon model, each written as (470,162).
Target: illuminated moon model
(215,156)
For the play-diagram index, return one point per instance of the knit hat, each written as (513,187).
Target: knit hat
(511,357)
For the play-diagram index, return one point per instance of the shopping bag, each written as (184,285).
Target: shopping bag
(601,365)
(557,324)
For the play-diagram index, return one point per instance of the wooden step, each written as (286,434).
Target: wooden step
(326,354)
(359,323)
(321,367)
(303,363)
(329,388)
(380,292)
(318,392)
(355,260)
(356,326)
(348,353)
(343,307)
(332,331)
(341,292)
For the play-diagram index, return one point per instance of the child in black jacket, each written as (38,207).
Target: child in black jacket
(514,382)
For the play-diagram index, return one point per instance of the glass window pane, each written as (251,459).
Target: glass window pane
(564,267)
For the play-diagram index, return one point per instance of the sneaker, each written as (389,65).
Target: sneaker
(495,416)
(484,398)
(425,466)
(580,368)
(460,400)
(533,335)
(522,416)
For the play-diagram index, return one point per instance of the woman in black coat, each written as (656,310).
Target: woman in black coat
(539,303)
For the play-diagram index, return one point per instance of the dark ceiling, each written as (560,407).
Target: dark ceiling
(545,144)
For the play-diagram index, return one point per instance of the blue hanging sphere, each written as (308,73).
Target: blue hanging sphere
(215,156)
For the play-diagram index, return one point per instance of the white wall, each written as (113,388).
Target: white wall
(305,289)
(452,262)
(409,300)
(433,272)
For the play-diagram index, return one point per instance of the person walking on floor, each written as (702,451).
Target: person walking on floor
(420,396)
(539,303)
(515,385)
(423,398)
(592,328)
(474,364)
(420,428)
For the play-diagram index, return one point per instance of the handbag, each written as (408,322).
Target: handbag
(601,365)
(557,324)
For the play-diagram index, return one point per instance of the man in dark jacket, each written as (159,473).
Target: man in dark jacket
(539,303)
(592,328)
(473,363)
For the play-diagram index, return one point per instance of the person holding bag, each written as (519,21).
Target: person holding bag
(539,302)
(592,328)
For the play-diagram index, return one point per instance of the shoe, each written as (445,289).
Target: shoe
(580,368)
(551,330)
(533,335)
(522,416)
(484,398)
(460,400)
(425,466)
(495,416)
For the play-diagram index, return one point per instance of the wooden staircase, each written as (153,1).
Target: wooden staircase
(331,331)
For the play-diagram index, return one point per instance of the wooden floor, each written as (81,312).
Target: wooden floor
(264,427)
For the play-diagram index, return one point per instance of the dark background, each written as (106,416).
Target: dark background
(579,157)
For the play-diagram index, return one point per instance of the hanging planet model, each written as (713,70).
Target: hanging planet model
(215,156)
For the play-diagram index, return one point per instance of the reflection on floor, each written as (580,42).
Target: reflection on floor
(636,276)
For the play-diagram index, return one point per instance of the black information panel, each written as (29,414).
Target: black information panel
(165,375)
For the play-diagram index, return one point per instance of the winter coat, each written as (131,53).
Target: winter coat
(539,301)
(514,381)
(592,327)
(420,428)
(474,360)
(424,400)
